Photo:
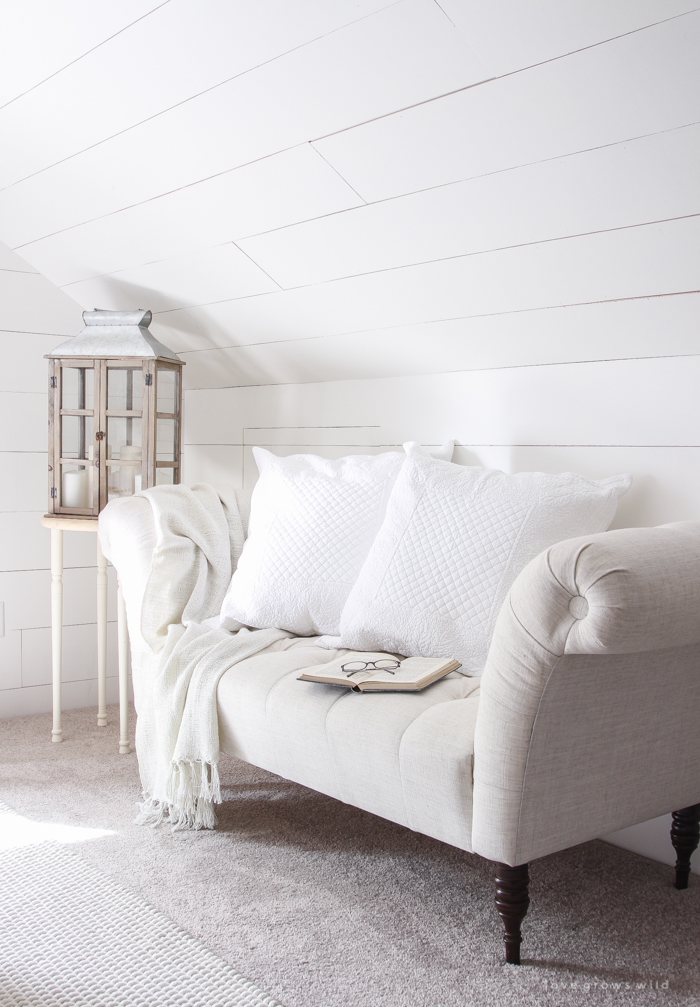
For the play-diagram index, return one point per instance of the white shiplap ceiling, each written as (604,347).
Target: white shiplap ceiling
(259,173)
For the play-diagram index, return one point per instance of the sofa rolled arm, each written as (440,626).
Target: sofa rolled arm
(617,592)
(597,646)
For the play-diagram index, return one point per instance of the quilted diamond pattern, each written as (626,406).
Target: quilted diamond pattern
(453,555)
(323,531)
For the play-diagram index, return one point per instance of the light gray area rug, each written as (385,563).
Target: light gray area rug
(72,936)
(327,906)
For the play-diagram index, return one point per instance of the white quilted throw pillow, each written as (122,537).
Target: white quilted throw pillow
(312,522)
(452,543)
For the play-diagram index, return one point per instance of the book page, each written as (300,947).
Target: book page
(412,669)
(336,671)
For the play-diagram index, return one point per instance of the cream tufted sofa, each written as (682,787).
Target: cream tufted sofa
(585,720)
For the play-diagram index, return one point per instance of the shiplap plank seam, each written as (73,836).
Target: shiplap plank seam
(243,251)
(47,685)
(48,626)
(456,181)
(44,569)
(207,90)
(188,185)
(23,332)
(498,171)
(333,168)
(356,125)
(429,321)
(458,444)
(458,370)
(310,143)
(466,255)
(451,258)
(511,73)
(83,55)
(321,426)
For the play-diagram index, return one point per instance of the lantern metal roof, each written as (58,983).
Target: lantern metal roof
(115,334)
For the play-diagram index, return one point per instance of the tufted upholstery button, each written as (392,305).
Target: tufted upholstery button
(578,607)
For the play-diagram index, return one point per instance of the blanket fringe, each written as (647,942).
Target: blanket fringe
(193,788)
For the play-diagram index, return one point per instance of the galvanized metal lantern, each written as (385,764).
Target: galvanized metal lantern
(115,413)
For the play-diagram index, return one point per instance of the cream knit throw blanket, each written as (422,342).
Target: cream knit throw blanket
(199,540)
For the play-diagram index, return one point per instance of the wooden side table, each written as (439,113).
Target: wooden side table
(58,525)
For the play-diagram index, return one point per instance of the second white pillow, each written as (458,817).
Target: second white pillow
(453,541)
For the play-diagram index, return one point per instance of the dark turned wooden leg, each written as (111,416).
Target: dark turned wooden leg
(685,835)
(512,901)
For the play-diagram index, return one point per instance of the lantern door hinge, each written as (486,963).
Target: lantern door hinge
(54,383)
(54,492)
(149,379)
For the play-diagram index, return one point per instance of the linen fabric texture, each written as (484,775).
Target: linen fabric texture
(581,714)
(453,541)
(312,523)
(404,756)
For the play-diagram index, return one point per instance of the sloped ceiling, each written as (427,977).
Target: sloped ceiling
(269,172)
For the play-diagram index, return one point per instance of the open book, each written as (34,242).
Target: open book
(381,672)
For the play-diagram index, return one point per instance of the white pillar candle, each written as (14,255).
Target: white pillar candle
(129,453)
(75,489)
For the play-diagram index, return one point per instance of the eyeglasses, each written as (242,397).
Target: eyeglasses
(383,664)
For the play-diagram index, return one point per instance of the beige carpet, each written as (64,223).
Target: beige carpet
(326,905)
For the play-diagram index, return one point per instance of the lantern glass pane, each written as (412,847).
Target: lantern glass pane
(77,486)
(77,388)
(165,477)
(124,388)
(124,432)
(167,390)
(166,440)
(77,437)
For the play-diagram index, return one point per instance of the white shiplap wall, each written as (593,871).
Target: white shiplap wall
(34,318)
(366,222)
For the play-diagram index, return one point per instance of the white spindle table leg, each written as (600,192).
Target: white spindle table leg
(123,643)
(101,637)
(56,627)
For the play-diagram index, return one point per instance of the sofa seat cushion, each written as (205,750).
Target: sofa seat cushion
(404,756)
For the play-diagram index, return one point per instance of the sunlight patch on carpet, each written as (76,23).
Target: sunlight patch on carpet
(17,831)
